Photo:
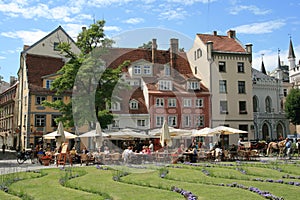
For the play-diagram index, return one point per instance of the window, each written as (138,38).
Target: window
(187,102)
(243,127)
(240,67)
(159,102)
(115,123)
(186,121)
(195,55)
(159,121)
(171,102)
(40,120)
(137,70)
(222,66)
(196,70)
(193,85)
(199,103)
(199,53)
(147,70)
(255,104)
(223,86)
(115,106)
(165,85)
(134,104)
(39,100)
(53,122)
(268,103)
(56,99)
(48,83)
(167,70)
(172,120)
(241,87)
(199,121)
(141,122)
(242,107)
(223,107)
(55,46)
(284,92)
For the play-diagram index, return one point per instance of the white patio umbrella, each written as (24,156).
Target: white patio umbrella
(174,132)
(165,137)
(202,132)
(126,134)
(55,134)
(98,138)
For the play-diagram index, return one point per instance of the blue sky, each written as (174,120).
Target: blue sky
(268,25)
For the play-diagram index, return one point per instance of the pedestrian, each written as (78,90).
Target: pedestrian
(3,148)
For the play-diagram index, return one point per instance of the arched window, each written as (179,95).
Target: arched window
(268,103)
(255,104)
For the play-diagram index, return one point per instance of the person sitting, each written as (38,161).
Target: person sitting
(106,150)
(127,154)
(74,155)
(40,154)
(85,151)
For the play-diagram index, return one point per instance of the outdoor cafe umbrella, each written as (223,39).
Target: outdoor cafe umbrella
(92,134)
(126,134)
(98,138)
(165,137)
(202,132)
(224,130)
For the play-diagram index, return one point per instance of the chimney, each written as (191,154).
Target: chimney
(173,51)
(209,45)
(154,48)
(215,33)
(231,34)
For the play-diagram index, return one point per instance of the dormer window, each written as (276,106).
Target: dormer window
(147,70)
(115,106)
(137,69)
(193,85)
(165,85)
(134,105)
(48,83)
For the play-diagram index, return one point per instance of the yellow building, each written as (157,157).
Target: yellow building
(39,64)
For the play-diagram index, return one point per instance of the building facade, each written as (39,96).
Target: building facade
(224,67)
(39,64)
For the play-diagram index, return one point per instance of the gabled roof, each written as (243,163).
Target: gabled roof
(27,48)
(223,43)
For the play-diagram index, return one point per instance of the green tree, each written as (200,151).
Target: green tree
(87,78)
(292,106)
(146,46)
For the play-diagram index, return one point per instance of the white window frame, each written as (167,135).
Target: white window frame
(199,103)
(48,83)
(199,120)
(40,120)
(159,120)
(194,85)
(222,86)
(159,102)
(147,70)
(115,106)
(222,109)
(165,85)
(141,122)
(187,102)
(187,121)
(137,69)
(134,104)
(116,123)
(172,120)
(172,102)
(40,99)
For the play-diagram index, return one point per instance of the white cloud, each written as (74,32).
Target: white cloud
(173,14)
(190,2)
(2,57)
(66,13)
(253,9)
(28,37)
(260,28)
(112,28)
(136,20)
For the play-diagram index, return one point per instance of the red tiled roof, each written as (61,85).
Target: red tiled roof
(222,43)
(39,66)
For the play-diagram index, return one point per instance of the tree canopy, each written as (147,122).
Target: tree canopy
(86,77)
(292,106)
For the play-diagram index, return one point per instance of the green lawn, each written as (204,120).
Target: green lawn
(224,181)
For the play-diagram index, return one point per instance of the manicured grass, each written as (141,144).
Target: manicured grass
(224,181)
